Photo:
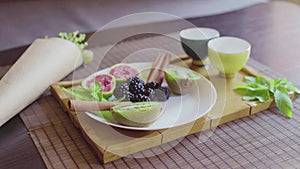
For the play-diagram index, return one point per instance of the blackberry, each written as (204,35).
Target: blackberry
(140,98)
(129,96)
(136,85)
(148,91)
(121,90)
(137,88)
(153,85)
(135,80)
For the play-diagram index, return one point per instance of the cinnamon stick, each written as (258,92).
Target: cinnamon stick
(83,106)
(158,66)
(161,73)
(155,66)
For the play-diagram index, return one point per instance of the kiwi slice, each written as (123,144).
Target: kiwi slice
(182,80)
(139,114)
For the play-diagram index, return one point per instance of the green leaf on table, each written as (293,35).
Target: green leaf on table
(293,88)
(283,101)
(250,79)
(249,98)
(272,85)
(242,89)
(261,94)
(256,80)
(262,89)
(251,93)
(79,93)
(261,80)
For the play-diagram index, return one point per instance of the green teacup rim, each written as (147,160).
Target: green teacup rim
(209,45)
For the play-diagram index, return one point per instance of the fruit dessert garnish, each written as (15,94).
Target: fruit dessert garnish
(136,90)
(142,99)
(106,81)
(181,80)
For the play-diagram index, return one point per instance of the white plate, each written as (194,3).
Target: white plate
(177,110)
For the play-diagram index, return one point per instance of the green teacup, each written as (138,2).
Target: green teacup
(194,42)
(228,54)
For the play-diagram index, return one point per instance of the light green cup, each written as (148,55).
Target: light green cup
(228,54)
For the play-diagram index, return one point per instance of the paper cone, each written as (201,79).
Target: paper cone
(45,62)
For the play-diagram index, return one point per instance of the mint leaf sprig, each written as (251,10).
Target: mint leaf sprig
(92,94)
(261,89)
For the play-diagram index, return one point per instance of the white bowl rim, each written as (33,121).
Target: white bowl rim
(209,33)
(216,40)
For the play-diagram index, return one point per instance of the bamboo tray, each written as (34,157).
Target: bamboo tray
(112,143)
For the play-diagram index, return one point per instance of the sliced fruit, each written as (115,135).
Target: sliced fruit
(108,83)
(122,72)
(138,114)
(182,80)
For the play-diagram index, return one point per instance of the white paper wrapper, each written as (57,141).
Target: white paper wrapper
(45,62)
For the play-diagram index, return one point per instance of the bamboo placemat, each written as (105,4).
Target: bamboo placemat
(265,139)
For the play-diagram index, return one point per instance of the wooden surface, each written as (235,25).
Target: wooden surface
(267,26)
(111,143)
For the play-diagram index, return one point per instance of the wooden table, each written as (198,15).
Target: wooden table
(272,29)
